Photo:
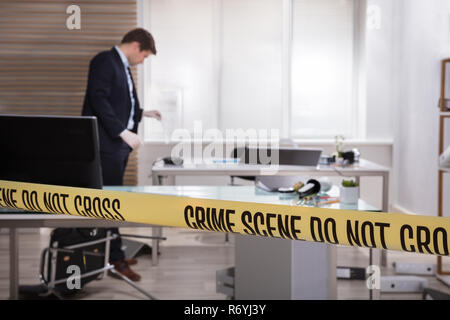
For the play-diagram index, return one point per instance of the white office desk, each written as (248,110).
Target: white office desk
(291,269)
(361,169)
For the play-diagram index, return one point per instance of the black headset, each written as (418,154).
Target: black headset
(311,187)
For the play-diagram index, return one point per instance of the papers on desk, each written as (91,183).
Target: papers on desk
(318,201)
(223,160)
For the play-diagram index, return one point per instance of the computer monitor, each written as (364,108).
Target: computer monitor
(58,150)
(286,156)
(300,156)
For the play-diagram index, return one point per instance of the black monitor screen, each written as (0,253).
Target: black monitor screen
(50,150)
(282,156)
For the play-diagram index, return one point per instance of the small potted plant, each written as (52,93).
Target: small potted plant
(339,142)
(349,192)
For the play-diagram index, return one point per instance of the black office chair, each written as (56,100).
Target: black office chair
(71,250)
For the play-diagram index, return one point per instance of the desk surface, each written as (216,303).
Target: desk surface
(363,167)
(20,219)
(240,193)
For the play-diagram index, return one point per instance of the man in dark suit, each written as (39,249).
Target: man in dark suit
(111,97)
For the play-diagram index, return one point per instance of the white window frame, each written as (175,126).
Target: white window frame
(358,78)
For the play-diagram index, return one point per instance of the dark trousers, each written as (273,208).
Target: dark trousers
(113,169)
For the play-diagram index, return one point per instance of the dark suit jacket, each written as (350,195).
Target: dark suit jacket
(108,98)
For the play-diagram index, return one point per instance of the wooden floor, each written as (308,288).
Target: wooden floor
(187,267)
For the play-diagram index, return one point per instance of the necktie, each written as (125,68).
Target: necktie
(130,87)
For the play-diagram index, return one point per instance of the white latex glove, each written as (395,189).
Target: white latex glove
(132,139)
(153,114)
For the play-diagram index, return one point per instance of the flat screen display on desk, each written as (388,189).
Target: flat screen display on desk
(57,150)
(286,156)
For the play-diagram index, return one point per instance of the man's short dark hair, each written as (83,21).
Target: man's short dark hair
(143,37)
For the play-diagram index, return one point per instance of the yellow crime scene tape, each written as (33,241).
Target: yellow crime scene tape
(392,231)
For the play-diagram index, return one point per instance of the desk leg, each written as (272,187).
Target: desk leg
(385,192)
(13,264)
(156,232)
(379,255)
(383,258)
(375,294)
(358,181)
(157,180)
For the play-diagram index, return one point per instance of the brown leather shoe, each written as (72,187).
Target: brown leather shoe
(123,268)
(131,262)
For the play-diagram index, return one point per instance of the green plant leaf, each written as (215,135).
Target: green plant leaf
(349,183)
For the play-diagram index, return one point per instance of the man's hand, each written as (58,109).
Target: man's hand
(131,139)
(153,114)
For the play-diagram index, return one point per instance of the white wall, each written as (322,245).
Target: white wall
(402,70)
(379,67)
(422,39)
